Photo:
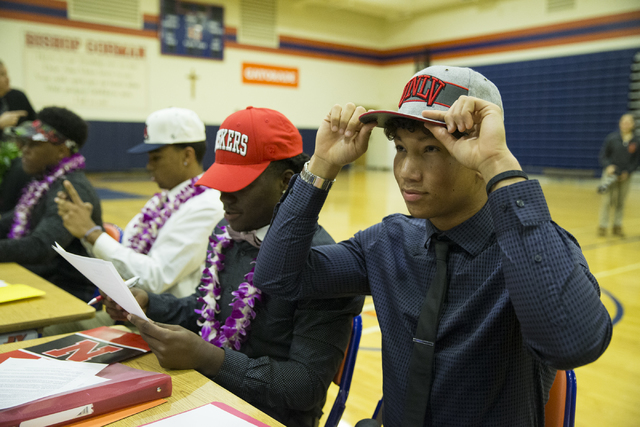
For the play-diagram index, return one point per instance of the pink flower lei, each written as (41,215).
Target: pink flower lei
(234,331)
(155,214)
(36,189)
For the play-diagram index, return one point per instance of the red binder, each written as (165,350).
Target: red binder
(127,386)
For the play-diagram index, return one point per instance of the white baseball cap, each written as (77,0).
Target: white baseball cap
(170,126)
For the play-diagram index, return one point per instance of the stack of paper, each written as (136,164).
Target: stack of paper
(25,380)
(45,392)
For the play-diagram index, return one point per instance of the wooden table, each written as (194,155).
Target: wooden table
(56,306)
(190,390)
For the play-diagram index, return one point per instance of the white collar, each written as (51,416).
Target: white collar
(178,188)
(261,233)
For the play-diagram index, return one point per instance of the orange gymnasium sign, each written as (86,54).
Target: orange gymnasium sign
(269,75)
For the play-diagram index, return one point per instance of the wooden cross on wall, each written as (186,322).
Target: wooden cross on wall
(193,77)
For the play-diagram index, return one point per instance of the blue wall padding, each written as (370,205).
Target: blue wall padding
(559,110)
(106,148)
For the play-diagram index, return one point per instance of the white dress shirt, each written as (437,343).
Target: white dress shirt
(176,260)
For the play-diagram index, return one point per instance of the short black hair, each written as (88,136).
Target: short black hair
(66,122)
(199,147)
(392,125)
(295,163)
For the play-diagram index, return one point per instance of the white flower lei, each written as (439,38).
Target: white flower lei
(234,331)
(36,189)
(155,214)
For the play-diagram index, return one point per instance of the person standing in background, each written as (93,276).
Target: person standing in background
(15,108)
(619,157)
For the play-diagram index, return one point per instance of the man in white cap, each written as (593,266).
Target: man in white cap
(472,340)
(166,243)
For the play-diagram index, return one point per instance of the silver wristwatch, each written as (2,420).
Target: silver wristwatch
(316,181)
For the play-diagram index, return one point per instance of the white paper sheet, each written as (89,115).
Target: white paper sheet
(204,415)
(105,276)
(24,380)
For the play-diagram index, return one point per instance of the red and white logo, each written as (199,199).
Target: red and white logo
(82,351)
(231,140)
(423,88)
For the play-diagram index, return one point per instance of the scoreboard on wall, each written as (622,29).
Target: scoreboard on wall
(191,29)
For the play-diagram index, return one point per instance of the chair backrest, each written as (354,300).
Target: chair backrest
(345,373)
(378,414)
(113,230)
(560,409)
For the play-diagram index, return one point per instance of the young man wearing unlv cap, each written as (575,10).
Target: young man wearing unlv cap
(165,244)
(279,356)
(50,153)
(521,302)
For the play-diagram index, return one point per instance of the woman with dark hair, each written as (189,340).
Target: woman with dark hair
(50,146)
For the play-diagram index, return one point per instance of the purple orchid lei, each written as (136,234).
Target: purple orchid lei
(155,214)
(234,331)
(36,189)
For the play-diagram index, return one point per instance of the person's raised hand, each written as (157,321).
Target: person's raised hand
(179,348)
(484,147)
(340,140)
(118,313)
(75,214)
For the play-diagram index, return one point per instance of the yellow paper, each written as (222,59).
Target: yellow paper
(18,292)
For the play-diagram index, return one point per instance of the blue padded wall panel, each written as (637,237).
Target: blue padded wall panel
(108,142)
(559,110)
(107,145)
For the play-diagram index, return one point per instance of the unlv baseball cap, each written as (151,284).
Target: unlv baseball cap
(170,126)
(437,88)
(246,143)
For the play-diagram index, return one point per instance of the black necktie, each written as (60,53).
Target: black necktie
(421,365)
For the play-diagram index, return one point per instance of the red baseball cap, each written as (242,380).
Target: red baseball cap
(246,143)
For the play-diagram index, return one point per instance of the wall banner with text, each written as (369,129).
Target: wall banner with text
(82,72)
(269,75)
(191,29)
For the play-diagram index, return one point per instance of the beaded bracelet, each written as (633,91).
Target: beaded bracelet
(505,175)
